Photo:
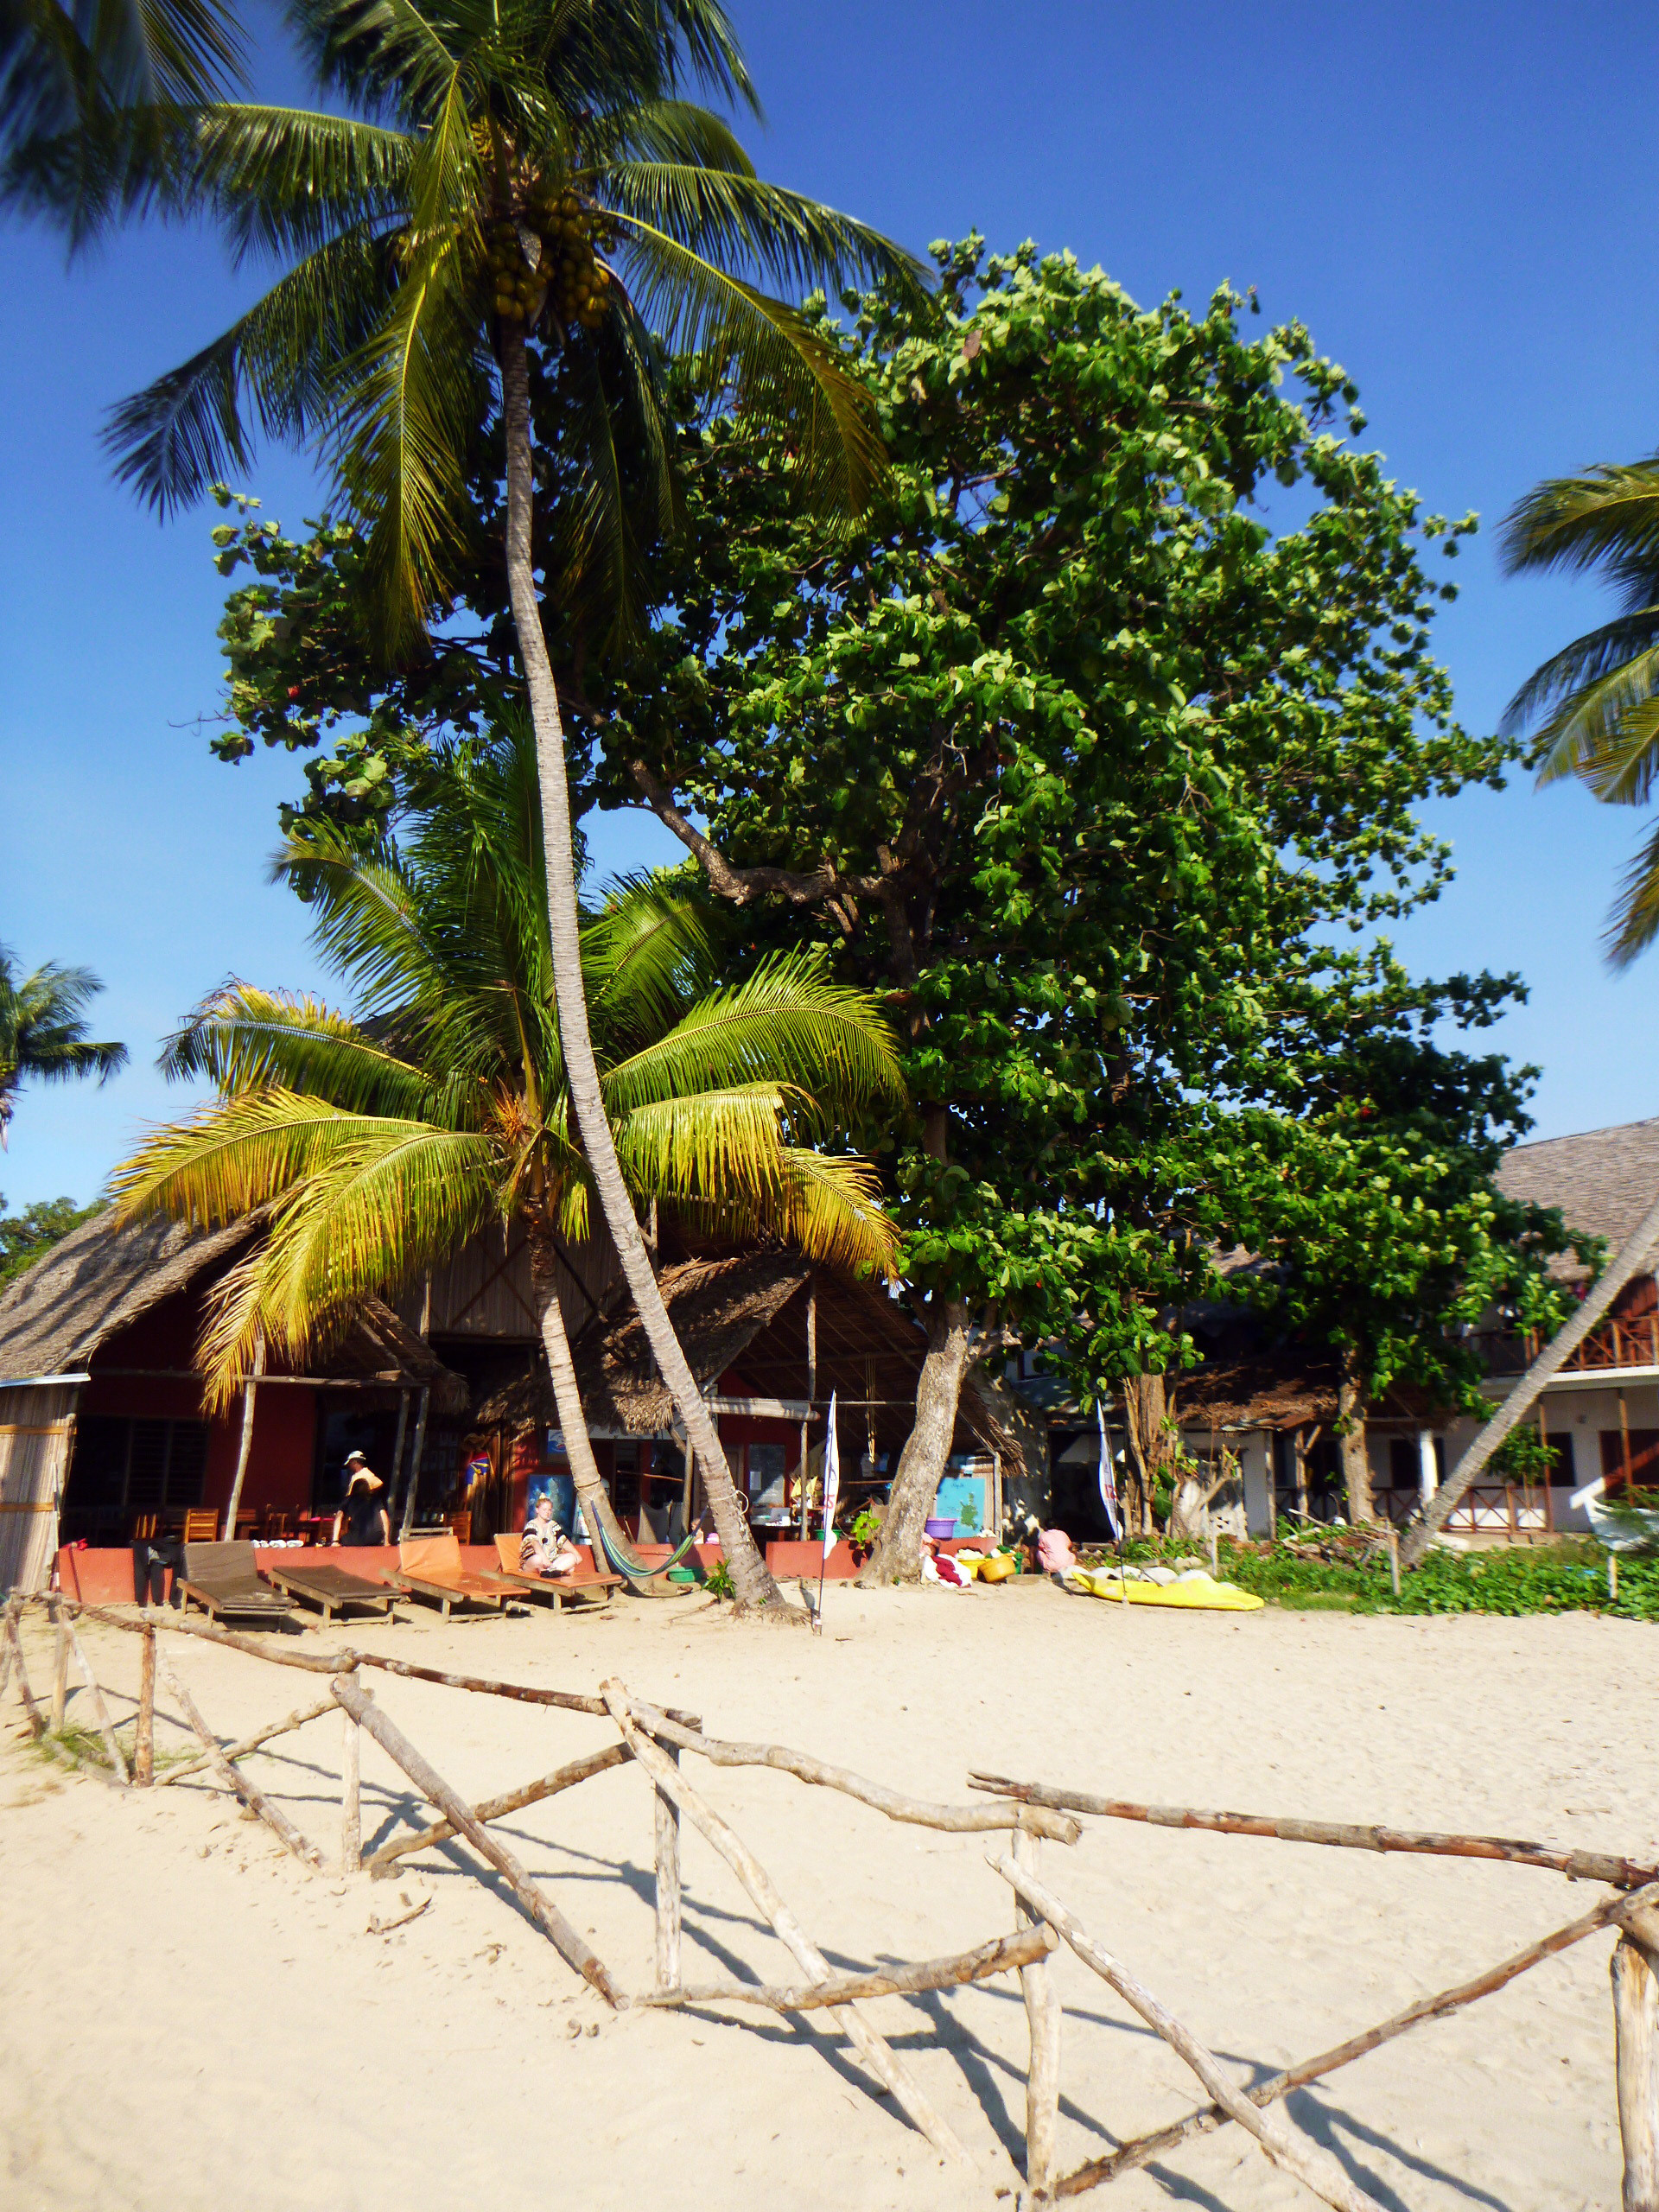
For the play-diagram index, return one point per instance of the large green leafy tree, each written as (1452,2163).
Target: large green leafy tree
(510,182)
(385,1138)
(1067,750)
(43,1031)
(1593,707)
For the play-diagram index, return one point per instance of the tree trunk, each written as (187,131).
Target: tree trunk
(897,1554)
(584,1468)
(754,1584)
(1351,1438)
(1625,1262)
(1145,1413)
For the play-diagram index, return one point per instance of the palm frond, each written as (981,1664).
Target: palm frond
(785,1024)
(1607,518)
(282,180)
(235,1156)
(1599,652)
(775,365)
(643,953)
(719,1144)
(1635,921)
(1590,723)
(827,1207)
(244,1039)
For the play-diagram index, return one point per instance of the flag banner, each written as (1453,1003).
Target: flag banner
(1109,1479)
(831,1480)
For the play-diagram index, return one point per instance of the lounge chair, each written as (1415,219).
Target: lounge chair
(329,1588)
(430,1568)
(584,1586)
(224,1581)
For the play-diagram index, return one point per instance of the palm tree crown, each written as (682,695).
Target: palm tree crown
(528,168)
(1594,706)
(383,1140)
(43,1031)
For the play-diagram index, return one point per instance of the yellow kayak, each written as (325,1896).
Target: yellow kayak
(1201,1594)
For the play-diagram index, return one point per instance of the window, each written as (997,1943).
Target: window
(767,1464)
(122,1467)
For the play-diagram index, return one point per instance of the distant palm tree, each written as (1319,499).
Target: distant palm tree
(516,171)
(43,1034)
(1593,707)
(386,1139)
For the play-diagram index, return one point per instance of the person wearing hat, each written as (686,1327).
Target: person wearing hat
(363,1515)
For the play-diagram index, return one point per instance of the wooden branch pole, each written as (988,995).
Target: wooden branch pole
(14,1637)
(100,1710)
(1002,1954)
(960,1820)
(60,1670)
(1577,1866)
(431,1785)
(1042,2074)
(233,1751)
(1635,2031)
(1611,1913)
(7,1615)
(143,1738)
(494,1809)
(279,1824)
(1313,2166)
(668,1885)
(351,1794)
(758,1883)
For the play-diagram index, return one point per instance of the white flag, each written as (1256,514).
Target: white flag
(831,1480)
(1108,1478)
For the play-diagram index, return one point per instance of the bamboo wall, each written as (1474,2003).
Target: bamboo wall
(36,1429)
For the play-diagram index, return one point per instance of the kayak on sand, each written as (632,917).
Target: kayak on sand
(1193,1593)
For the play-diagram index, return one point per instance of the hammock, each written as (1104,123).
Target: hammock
(608,1536)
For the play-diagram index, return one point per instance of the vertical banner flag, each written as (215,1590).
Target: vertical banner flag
(831,1482)
(1108,1478)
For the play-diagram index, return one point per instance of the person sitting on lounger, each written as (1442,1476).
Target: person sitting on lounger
(363,1515)
(545,1548)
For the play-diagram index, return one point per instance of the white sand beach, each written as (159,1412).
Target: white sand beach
(188,2020)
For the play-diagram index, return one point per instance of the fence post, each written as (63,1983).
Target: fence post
(59,1671)
(1043,2019)
(350,1798)
(668,1882)
(1636,2033)
(144,1742)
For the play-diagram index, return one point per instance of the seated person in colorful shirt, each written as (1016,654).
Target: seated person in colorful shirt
(544,1548)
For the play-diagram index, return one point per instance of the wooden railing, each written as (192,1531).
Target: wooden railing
(1612,1345)
(1487,1509)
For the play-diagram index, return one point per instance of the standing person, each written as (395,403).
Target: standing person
(363,1513)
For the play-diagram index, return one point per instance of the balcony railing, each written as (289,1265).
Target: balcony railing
(1609,1346)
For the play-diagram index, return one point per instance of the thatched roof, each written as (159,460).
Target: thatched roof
(1604,1182)
(104,1275)
(744,1318)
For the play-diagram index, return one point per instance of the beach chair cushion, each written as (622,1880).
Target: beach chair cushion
(436,1559)
(582,1577)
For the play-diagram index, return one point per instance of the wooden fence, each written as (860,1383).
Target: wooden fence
(1024,1815)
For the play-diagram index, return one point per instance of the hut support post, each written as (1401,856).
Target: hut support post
(414,1464)
(396,1490)
(812,1389)
(144,1742)
(1636,2029)
(245,1443)
(351,1799)
(1043,2018)
(668,1883)
(60,1670)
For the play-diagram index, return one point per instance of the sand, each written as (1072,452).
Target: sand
(188,2020)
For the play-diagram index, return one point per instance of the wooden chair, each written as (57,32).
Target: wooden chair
(223,1580)
(200,1525)
(145,1527)
(276,1526)
(584,1586)
(430,1566)
(462,1524)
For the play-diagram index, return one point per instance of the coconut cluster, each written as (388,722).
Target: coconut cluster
(577,285)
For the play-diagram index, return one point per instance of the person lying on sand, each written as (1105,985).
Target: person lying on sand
(544,1548)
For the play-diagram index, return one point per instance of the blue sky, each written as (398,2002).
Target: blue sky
(1459,201)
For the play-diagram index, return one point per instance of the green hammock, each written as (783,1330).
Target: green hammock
(620,1552)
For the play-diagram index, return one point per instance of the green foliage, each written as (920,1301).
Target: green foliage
(1554,1579)
(43,1031)
(866,1527)
(29,1235)
(719,1584)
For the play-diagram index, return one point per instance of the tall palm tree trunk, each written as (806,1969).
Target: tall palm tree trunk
(1628,1261)
(751,1580)
(596,1508)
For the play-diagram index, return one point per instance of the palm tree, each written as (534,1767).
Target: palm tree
(1594,706)
(515,172)
(383,1140)
(43,1031)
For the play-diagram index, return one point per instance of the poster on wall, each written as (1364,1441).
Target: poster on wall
(561,1489)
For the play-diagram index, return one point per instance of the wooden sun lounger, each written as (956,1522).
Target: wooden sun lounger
(430,1568)
(330,1588)
(224,1581)
(583,1587)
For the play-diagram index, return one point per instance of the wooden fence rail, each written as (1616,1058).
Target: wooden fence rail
(656,1738)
